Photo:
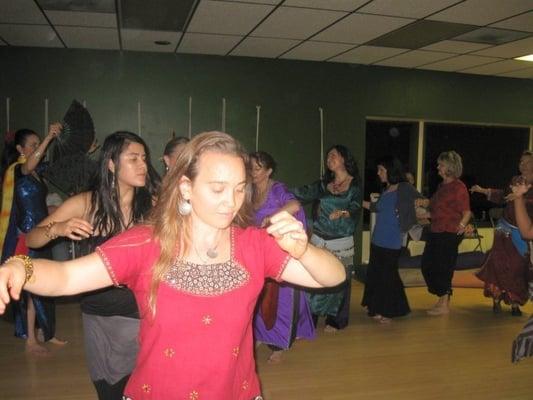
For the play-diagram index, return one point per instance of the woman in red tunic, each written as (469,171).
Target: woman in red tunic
(196,272)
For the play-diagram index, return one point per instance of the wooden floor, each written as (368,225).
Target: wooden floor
(465,355)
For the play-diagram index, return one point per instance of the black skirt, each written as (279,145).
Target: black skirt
(384,291)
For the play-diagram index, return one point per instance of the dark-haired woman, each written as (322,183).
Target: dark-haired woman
(339,206)
(283,310)
(125,186)
(24,206)
(505,271)
(384,295)
(172,149)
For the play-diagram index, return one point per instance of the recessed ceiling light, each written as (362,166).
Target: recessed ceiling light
(162,42)
(529,57)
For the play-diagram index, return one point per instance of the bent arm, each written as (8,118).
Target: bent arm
(31,163)
(315,268)
(68,221)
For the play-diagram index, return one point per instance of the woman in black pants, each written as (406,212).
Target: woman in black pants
(450,212)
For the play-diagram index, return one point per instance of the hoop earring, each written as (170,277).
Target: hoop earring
(184,207)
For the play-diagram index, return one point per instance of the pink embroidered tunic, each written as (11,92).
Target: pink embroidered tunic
(199,346)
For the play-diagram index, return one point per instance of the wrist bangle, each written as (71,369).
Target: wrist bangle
(48,230)
(28,267)
(37,154)
(462,225)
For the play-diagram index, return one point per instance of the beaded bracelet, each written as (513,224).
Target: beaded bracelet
(28,266)
(48,230)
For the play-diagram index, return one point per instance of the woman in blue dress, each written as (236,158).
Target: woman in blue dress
(384,295)
(23,207)
(338,197)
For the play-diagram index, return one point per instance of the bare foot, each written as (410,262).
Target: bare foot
(384,320)
(330,329)
(275,357)
(57,341)
(377,317)
(36,349)
(438,310)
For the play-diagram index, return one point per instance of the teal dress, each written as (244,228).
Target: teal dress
(337,236)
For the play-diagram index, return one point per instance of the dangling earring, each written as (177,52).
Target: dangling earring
(184,207)
(113,182)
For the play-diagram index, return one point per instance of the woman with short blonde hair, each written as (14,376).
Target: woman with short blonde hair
(452,162)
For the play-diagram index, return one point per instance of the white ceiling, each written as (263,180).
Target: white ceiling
(440,35)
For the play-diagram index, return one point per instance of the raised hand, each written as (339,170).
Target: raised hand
(289,233)
(520,188)
(54,130)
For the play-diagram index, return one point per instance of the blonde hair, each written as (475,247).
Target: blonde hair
(171,229)
(453,163)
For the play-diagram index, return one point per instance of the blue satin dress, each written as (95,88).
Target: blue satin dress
(29,208)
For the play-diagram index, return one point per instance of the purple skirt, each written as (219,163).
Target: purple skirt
(293,320)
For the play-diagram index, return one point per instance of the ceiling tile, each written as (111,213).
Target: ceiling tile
(421,33)
(339,5)
(227,18)
(360,28)
(459,63)
(106,6)
(77,18)
(263,47)
(483,12)
(509,50)
(367,54)
(29,35)
(406,8)
(413,59)
(498,67)
(156,15)
(21,12)
(452,46)
(493,36)
(202,43)
(296,23)
(89,38)
(316,51)
(274,2)
(143,40)
(522,22)
(524,73)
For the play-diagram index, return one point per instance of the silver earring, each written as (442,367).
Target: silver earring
(184,207)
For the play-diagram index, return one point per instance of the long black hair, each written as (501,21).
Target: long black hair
(10,153)
(394,167)
(105,202)
(349,164)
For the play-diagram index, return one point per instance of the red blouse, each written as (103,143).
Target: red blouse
(447,206)
(199,345)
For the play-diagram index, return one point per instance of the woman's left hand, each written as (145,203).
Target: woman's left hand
(289,233)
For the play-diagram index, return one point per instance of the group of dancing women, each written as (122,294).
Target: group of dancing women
(218,233)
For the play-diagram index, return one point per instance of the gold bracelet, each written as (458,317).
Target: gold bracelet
(48,229)
(37,154)
(28,266)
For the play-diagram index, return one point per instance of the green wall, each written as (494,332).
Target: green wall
(289,93)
